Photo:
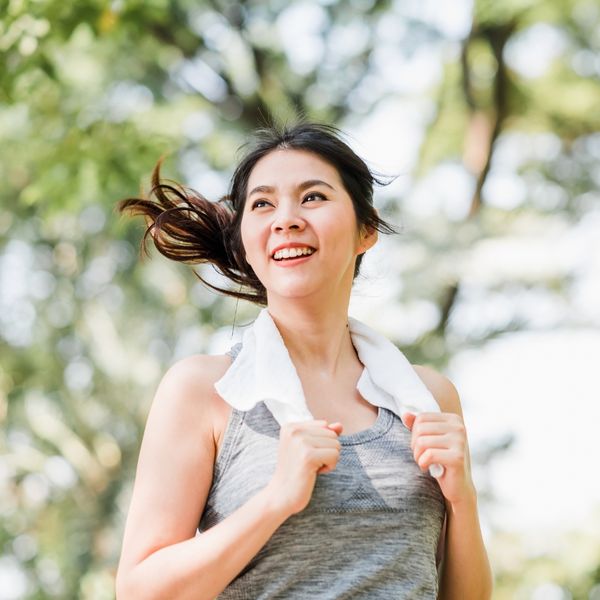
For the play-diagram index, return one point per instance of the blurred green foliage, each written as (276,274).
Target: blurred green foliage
(93,93)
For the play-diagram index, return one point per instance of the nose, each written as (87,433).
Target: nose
(287,217)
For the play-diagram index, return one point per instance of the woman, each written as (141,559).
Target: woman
(298,510)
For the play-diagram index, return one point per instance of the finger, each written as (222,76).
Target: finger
(337,427)
(422,442)
(408,419)
(450,441)
(427,422)
(302,425)
(325,469)
(456,430)
(441,456)
(325,457)
(423,417)
(312,426)
(321,441)
(424,421)
(323,432)
(431,428)
(323,425)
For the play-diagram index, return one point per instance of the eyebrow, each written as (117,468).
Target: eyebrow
(267,189)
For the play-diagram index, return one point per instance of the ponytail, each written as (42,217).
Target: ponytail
(188,228)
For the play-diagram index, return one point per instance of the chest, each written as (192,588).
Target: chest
(375,472)
(339,401)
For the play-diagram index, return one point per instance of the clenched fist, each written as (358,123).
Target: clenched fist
(306,449)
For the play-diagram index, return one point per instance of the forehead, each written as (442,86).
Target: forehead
(287,168)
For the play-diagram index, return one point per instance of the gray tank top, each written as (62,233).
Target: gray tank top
(370,530)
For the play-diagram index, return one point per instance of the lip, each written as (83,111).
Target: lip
(291,245)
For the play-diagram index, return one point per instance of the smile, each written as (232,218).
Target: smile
(287,253)
(294,261)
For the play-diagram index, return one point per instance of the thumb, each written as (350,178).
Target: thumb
(337,427)
(408,419)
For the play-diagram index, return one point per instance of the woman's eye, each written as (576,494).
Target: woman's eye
(315,195)
(256,204)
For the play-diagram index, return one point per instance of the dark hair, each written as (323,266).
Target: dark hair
(188,228)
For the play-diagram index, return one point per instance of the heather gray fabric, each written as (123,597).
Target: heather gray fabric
(370,530)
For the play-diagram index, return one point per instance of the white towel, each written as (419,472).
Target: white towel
(264,371)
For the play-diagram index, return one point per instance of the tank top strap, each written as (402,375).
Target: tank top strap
(234,350)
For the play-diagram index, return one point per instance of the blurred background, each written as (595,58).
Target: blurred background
(488,112)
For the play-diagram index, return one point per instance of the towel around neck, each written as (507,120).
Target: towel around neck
(263,371)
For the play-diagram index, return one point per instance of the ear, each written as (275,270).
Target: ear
(368,237)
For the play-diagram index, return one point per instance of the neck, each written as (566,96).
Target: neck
(316,337)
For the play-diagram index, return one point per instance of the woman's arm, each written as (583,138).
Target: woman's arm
(441,438)
(466,571)
(202,567)
(161,557)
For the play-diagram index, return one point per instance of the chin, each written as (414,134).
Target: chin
(292,291)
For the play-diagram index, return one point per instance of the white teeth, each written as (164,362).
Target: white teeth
(291,252)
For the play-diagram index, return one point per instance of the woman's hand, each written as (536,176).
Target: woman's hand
(442,438)
(306,449)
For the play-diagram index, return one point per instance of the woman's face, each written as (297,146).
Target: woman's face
(296,198)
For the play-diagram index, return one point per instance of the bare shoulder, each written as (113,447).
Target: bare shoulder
(196,373)
(442,389)
(186,393)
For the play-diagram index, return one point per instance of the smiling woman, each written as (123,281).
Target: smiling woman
(187,227)
(246,487)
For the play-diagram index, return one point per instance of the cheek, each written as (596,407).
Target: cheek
(250,237)
(342,228)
